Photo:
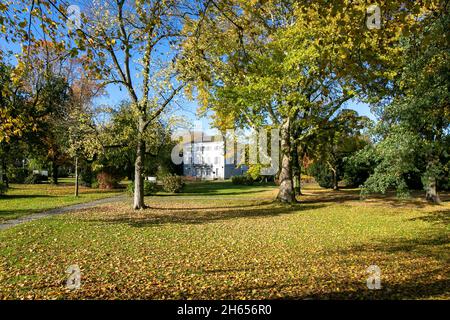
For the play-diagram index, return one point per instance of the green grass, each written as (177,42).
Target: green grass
(216,245)
(22,200)
(225,188)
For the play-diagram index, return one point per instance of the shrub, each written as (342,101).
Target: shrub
(149,188)
(35,178)
(107,180)
(130,189)
(242,180)
(3,188)
(87,176)
(254,171)
(358,168)
(172,183)
(18,175)
(322,174)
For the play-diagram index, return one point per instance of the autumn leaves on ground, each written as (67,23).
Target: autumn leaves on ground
(217,240)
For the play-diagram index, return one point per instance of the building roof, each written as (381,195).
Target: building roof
(199,136)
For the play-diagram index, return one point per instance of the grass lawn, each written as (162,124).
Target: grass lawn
(223,241)
(21,200)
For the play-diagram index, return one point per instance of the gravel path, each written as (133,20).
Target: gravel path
(14,222)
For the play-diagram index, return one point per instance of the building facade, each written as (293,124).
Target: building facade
(204,158)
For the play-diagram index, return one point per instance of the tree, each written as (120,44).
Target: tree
(341,137)
(274,62)
(49,88)
(15,112)
(117,32)
(413,131)
(118,137)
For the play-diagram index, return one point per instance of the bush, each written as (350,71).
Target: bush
(358,168)
(18,175)
(87,176)
(242,180)
(322,174)
(3,188)
(35,178)
(149,188)
(107,180)
(130,189)
(254,172)
(172,183)
(63,172)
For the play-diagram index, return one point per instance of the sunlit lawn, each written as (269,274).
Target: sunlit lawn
(234,242)
(22,199)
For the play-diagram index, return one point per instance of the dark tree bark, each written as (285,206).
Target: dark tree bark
(130,168)
(4,174)
(286,190)
(54,172)
(296,169)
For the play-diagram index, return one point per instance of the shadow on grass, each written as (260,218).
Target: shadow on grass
(213,208)
(24,196)
(218,192)
(437,217)
(154,217)
(343,195)
(408,279)
(224,188)
(417,289)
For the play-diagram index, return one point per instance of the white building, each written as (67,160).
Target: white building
(204,158)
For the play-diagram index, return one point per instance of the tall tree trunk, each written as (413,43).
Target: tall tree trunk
(335,176)
(138,172)
(296,169)
(335,179)
(130,175)
(76,177)
(4,166)
(431,191)
(3,173)
(300,162)
(286,191)
(54,172)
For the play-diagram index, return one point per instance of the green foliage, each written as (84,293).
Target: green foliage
(130,189)
(254,171)
(322,174)
(3,188)
(414,125)
(120,134)
(35,178)
(359,166)
(95,185)
(87,176)
(149,188)
(172,183)
(242,180)
(17,175)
